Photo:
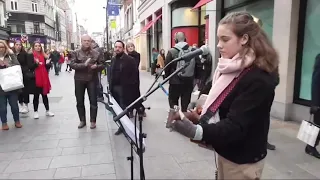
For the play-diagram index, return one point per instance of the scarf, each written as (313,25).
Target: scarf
(41,74)
(226,71)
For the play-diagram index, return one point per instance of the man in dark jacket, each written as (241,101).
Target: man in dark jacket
(178,87)
(122,76)
(96,47)
(87,63)
(55,57)
(315,99)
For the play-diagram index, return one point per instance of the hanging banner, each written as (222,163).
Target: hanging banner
(113,24)
(113,9)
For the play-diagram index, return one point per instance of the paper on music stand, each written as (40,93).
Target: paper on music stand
(126,122)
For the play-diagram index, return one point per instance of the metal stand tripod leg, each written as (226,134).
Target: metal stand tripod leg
(130,158)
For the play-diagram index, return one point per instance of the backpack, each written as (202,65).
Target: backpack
(189,70)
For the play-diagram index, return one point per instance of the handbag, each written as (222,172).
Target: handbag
(308,131)
(11,78)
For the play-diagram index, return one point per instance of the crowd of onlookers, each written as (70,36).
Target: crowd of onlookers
(35,65)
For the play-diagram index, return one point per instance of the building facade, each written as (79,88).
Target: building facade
(4,31)
(292,25)
(31,21)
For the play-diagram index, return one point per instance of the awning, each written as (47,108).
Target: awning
(4,35)
(201,3)
(149,25)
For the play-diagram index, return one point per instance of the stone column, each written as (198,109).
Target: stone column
(285,34)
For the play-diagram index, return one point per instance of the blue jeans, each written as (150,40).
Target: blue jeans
(12,98)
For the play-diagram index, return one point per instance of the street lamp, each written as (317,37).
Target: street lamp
(107,25)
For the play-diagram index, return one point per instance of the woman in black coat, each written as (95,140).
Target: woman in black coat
(130,48)
(315,99)
(21,54)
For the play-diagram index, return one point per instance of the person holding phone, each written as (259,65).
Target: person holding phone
(87,63)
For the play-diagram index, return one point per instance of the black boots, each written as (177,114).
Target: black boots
(271,146)
(312,151)
(119,131)
(82,124)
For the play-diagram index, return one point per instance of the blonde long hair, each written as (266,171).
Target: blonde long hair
(6,47)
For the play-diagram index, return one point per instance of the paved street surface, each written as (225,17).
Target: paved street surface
(53,148)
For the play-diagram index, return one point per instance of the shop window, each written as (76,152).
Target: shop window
(311,47)
(262,10)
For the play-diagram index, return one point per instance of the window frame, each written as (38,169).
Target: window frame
(2,14)
(299,55)
(14,5)
(34,7)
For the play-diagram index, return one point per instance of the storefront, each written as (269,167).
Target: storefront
(28,40)
(307,51)
(262,10)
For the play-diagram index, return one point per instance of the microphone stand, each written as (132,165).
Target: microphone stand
(141,110)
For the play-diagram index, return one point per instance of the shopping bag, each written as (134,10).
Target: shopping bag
(11,78)
(308,132)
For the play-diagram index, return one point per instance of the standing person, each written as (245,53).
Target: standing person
(122,76)
(130,48)
(96,47)
(235,118)
(180,85)
(55,57)
(68,59)
(40,83)
(87,63)
(21,55)
(315,99)
(154,59)
(7,59)
(160,62)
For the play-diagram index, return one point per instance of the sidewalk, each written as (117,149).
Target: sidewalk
(53,148)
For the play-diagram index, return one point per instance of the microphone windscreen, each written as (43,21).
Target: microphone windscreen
(205,49)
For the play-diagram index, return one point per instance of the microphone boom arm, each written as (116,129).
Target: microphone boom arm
(144,97)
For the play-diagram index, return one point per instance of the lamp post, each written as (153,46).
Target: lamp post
(107,25)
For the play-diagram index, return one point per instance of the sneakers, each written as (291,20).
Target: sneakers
(48,113)
(36,115)
(24,109)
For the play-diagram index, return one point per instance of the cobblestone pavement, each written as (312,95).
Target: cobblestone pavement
(53,148)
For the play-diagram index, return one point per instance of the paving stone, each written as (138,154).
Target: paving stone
(42,153)
(97,170)
(10,156)
(40,174)
(69,172)
(70,160)
(72,150)
(28,165)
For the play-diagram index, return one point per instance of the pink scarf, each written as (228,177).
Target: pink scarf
(226,71)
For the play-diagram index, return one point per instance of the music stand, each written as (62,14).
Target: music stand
(124,122)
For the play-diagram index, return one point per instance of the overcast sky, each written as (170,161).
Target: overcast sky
(92,11)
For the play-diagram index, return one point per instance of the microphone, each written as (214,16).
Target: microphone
(188,56)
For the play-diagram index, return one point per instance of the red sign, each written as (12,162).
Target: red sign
(206,34)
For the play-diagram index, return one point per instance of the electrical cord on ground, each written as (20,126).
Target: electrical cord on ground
(136,140)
